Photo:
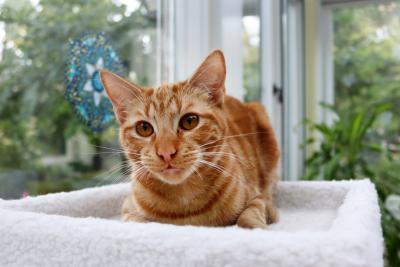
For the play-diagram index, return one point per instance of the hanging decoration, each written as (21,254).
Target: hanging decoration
(87,55)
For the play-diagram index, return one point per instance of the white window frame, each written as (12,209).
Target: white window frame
(225,26)
(325,91)
(165,48)
(325,72)
(294,92)
(2,36)
(201,26)
(204,25)
(271,62)
(191,36)
(320,71)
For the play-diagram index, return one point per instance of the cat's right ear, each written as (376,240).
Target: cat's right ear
(211,76)
(121,93)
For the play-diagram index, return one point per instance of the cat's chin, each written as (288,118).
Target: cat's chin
(173,176)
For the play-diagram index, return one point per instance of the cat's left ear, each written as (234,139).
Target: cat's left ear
(121,92)
(211,75)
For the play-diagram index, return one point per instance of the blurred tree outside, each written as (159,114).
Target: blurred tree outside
(35,118)
(364,139)
(367,62)
(251,36)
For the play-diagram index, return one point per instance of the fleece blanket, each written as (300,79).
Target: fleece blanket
(321,224)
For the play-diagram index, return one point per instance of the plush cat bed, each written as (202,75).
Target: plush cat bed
(321,224)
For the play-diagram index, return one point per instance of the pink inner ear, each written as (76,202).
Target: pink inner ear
(211,74)
(121,93)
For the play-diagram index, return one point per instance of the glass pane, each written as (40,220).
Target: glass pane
(367,95)
(251,50)
(367,64)
(44,147)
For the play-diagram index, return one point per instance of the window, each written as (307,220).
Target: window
(43,145)
(48,149)
(251,50)
(366,64)
(367,60)
(354,65)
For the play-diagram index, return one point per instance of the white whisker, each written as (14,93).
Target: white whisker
(232,136)
(219,168)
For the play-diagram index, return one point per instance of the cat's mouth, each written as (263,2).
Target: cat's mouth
(172,174)
(171,170)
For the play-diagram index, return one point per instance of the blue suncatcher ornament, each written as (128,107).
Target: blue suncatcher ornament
(87,55)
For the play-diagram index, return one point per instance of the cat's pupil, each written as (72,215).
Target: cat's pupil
(144,129)
(189,121)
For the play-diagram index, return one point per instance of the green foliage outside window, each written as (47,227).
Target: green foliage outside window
(364,139)
(35,118)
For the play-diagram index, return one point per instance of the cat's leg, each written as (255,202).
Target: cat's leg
(254,215)
(271,212)
(130,212)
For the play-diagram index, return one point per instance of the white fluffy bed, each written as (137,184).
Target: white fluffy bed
(321,224)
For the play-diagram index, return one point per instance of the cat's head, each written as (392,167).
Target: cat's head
(166,130)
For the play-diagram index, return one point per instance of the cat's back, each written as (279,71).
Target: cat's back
(247,117)
(255,136)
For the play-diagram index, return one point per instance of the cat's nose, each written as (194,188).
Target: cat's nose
(166,153)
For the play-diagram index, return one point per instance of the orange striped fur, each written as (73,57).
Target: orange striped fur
(221,172)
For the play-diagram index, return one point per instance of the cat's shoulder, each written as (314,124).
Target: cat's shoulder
(253,112)
(233,104)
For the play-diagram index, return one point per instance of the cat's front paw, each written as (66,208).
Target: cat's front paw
(252,218)
(271,213)
(250,224)
(130,212)
(129,217)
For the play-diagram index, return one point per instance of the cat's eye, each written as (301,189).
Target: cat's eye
(189,121)
(144,129)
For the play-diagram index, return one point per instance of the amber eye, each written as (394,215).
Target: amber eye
(189,121)
(144,129)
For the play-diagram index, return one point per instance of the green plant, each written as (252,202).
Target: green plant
(59,178)
(342,150)
(35,118)
(348,149)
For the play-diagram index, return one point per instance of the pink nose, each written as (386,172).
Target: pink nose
(166,154)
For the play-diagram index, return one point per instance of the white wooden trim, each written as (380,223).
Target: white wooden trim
(165,45)
(204,25)
(226,34)
(294,94)
(191,36)
(159,26)
(324,71)
(326,88)
(2,36)
(269,64)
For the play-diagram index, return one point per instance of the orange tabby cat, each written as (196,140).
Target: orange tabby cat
(199,157)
